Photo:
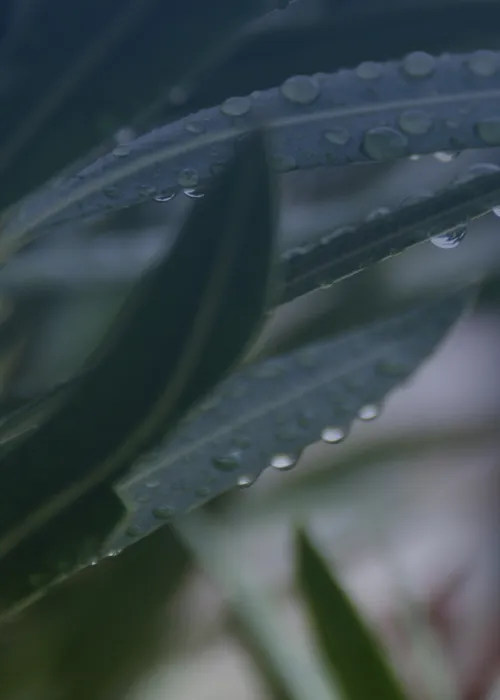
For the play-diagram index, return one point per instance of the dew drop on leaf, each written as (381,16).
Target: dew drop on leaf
(245,481)
(227,463)
(165,196)
(283,461)
(450,239)
(369,412)
(193,193)
(332,435)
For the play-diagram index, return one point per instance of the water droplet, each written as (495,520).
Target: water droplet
(337,135)
(245,481)
(488,131)
(236,106)
(484,63)
(378,213)
(300,89)
(283,164)
(415,156)
(369,412)
(194,193)
(229,462)
(496,211)
(121,150)
(419,64)
(333,434)
(385,143)
(450,239)
(163,512)
(194,127)
(165,195)
(152,484)
(283,461)
(134,531)
(415,122)
(369,70)
(446,156)
(188,177)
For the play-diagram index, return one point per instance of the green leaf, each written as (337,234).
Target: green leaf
(184,327)
(277,408)
(79,71)
(345,642)
(297,116)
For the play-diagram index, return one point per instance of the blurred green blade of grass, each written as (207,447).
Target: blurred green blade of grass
(345,643)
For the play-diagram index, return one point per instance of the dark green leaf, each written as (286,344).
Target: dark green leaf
(278,407)
(345,642)
(183,329)
(297,115)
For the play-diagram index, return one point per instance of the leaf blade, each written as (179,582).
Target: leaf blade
(347,646)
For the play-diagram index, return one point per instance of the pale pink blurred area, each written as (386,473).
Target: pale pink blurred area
(414,540)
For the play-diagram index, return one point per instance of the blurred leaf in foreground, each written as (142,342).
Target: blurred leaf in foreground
(346,644)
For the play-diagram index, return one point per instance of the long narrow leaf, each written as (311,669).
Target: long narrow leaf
(345,642)
(274,410)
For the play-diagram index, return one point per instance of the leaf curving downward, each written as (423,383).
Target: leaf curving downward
(350,651)
(275,409)
(183,329)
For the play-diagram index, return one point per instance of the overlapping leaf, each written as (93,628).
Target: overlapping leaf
(380,112)
(184,327)
(274,410)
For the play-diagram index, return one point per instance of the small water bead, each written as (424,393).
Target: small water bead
(446,156)
(369,412)
(229,462)
(165,195)
(378,213)
(236,106)
(484,63)
(496,211)
(333,435)
(415,156)
(283,461)
(450,239)
(164,512)
(202,492)
(194,127)
(415,122)
(152,484)
(488,131)
(194,193)
(385,143)
(188,178)
(245,480)
(419,64)
(121,150)
(300,89)
(369,70)
(337,135)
